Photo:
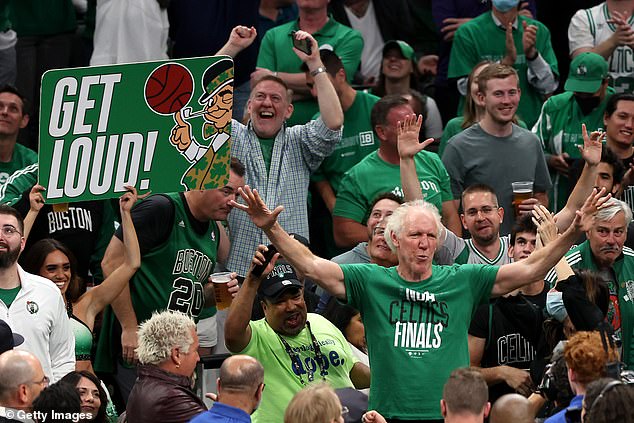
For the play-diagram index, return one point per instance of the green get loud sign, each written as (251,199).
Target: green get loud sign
(159,126)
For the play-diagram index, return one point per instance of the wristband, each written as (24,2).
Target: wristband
(317,71)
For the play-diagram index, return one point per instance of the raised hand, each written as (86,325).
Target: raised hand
(585,217)
(408,131)
(314,48)
(36,199)
(127,200)
(241,37)
(546,227)
(591,149)
(256,208)
(529,39)
(511,52)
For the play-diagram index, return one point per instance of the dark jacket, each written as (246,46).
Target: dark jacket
(162,397)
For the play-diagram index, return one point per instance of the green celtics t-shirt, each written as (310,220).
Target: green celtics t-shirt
(357,141)
(416,331)
(7,296)
(266,145)
(22,157)
(281,380)
(559,130)
(373,176)
(481,39)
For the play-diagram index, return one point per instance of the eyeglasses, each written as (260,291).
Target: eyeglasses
(45,380)
(9,231)
(486,210)
(378,231)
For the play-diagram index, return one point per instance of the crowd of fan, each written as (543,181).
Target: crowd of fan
(381,264)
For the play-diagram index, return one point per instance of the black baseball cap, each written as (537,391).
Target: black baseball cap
(8,339)
(281,278)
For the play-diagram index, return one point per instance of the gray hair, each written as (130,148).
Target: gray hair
(397,219)
(15,370)
(611,209)
(163,332)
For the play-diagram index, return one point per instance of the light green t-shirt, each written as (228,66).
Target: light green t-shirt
(357,141)
(7,296)
(416,331)
(282,383)
(373,176)
(266,145)
(480,39)
(559,130)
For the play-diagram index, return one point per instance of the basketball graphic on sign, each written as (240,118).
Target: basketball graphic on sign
(169,88)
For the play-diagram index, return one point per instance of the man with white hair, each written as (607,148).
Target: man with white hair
(416,314)
(603,252)
(168,353)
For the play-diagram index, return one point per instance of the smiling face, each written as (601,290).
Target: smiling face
(56,267)
(500,99)
(90,397)
(12,117)
(620,124)
(381,209)
(268,108)
(287,313)
(395,65)
(482,217)
(606,239)
(378,249)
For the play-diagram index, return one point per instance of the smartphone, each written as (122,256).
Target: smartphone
(268,255)
(302,45)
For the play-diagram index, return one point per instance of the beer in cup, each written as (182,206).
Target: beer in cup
(221,290)
(522,190)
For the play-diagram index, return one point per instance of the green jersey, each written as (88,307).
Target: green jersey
(22,157)
(171,277)
(481,39)
(276,54)
(416,331)
(620,281)
(559,129)
(281,378)
(357,141)
(373,176)
(456,250)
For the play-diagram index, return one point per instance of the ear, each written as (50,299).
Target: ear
(218,387)
(24,121)
(380,132)
(464,222)
(511,251)
(175,356)
(341,75)
(615,188)
(480,96)
(443,408)
(23,394)
(259,392)
(501,213)
(289,111)
(487,409)
(394,239)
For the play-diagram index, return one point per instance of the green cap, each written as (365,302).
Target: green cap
(587,71)
(406,50)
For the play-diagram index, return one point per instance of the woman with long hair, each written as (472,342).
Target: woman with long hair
(51,259)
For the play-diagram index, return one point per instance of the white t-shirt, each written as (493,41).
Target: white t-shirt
(372,52)
(589,28)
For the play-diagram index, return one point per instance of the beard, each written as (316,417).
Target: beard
(9,257)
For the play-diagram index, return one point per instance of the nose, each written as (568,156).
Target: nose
(423,242)
(88,397)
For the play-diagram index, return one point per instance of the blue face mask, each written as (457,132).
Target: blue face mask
(505,5)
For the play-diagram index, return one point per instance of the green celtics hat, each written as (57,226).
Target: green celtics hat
(406,50)
(215,78)
(587,71)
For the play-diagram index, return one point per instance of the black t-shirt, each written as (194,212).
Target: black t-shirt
(501,323)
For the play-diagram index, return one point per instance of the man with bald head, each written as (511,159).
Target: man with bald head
(240,387)
(512,408)
(21,381)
